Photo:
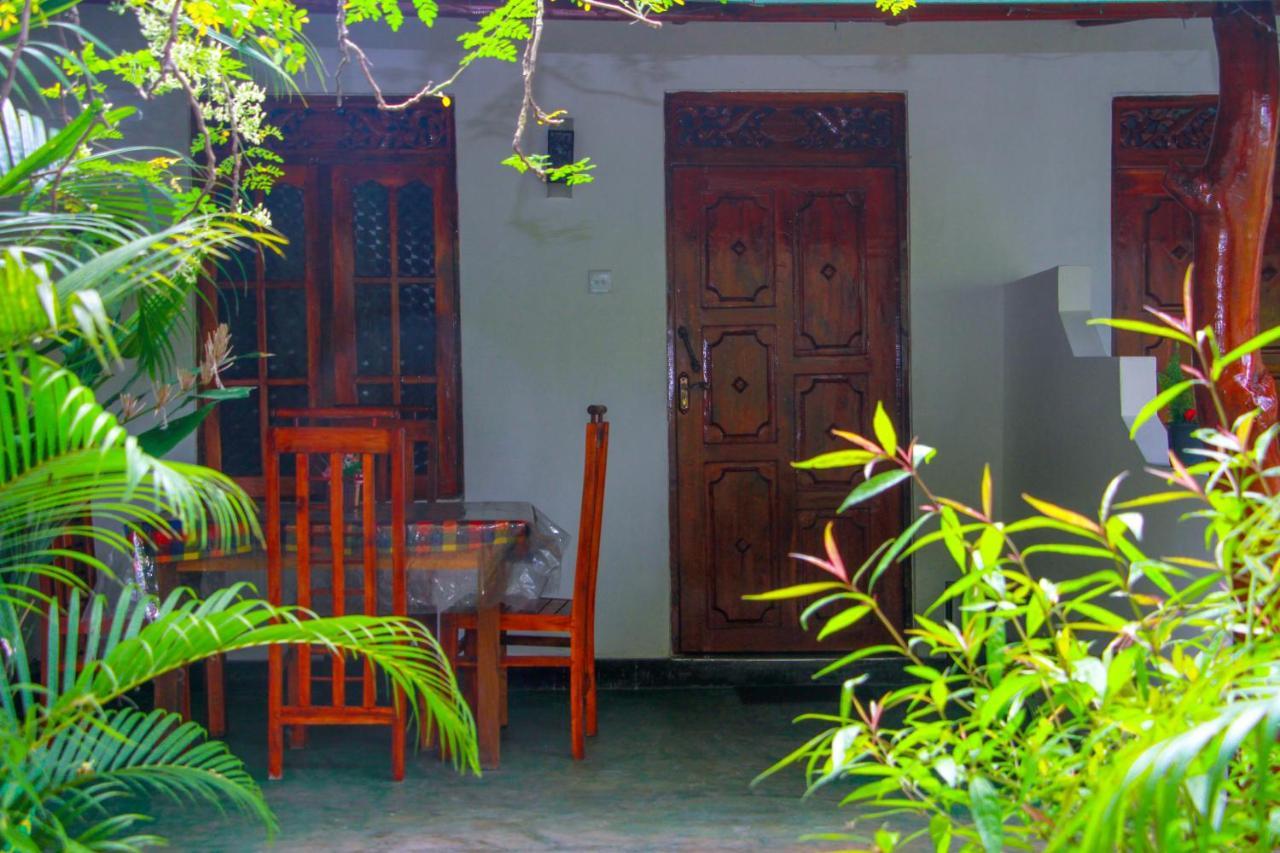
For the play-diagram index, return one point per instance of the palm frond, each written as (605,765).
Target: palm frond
(145,637)
(66,455)
(31,309)
(67,762)
(141,753)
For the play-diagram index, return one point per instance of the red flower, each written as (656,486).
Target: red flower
(1190,415)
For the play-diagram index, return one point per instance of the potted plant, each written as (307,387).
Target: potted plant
(1181,421)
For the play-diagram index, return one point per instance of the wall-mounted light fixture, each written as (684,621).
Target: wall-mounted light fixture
(560,152)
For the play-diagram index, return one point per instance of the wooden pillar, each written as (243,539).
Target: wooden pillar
(1230,197)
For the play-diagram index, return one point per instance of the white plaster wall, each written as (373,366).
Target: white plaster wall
(1065,438)
(1009,143)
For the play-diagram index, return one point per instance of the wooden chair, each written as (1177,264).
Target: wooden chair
(302,710)
(417,432)
(575,617)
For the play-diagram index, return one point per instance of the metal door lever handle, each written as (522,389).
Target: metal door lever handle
(682,391)
(683,334)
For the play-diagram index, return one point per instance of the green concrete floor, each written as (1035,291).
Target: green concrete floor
(669,770)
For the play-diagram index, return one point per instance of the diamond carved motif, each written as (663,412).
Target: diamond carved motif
(738,248)
(828,271)
(740,384)
(742,546)
(1179,252)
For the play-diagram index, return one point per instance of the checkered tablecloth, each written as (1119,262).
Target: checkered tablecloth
(525,552)
(431,529)
(422,538)
(177,546)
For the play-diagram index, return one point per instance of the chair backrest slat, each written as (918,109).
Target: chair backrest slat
(590,519)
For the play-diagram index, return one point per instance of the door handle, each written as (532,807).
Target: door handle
(682,392)
(683,334)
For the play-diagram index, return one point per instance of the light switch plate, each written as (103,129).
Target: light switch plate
(599,281)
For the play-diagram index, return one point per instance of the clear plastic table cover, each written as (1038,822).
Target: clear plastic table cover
(458,553)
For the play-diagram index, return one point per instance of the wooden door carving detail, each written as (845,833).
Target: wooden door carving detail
(740,501)
(831,299)
(804,124)
(739,252)
(825,402)
(738,369)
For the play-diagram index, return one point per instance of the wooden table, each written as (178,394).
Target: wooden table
(477,537)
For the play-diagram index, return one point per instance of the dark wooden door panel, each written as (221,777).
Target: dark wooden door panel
(831,274)
(786,279)
(738,409)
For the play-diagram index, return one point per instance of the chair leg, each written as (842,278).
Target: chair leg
(467,676)
(449,645)
(577,681)
(504,706)
(592,723)
(297,733)
(397,739)
(215,699)
(275,729)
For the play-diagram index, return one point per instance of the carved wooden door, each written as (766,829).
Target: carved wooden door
(1152,240)
(785,312)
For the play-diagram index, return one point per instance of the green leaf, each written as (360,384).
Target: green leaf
(1001,695)
(985,805)
(1157,403)
(843,619)
(161,440)
(1068,550)
(836,459)
(868,489)
(940,833)
(855,656)
(1143,328)
(1057,513)
(1252,345)
(56,149)
(883,428)
(798,591)
(1156,498)
(235,392)
(1099,614)
(901,542)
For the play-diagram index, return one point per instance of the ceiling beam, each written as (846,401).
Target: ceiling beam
(700,11)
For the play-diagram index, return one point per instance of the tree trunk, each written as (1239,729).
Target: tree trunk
(1230,197)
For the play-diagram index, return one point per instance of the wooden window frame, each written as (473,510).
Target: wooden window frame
(320,137)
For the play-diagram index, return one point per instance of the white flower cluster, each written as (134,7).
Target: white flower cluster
(202,62)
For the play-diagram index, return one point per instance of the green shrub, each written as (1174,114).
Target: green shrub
(1135,706)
